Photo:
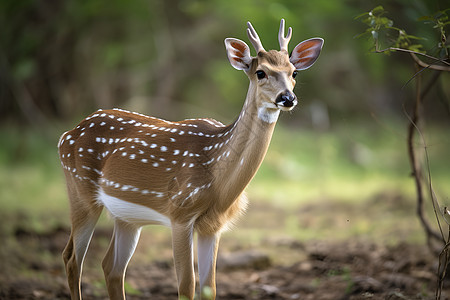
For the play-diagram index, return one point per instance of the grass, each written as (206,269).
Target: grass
(351,181)
(345,163)
(31,183)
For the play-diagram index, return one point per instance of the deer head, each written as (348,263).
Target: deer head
(273,72)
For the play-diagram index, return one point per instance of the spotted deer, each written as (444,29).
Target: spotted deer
(188,175)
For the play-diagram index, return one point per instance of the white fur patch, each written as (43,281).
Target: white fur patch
(268,115)
(206,246)
(131,212)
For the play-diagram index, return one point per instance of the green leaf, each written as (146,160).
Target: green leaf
(374,34)
(385,22)
(365,33)
(378,10)
(361,15)
(413,37)
(416,48)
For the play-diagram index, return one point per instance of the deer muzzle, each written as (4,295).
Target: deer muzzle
(286,100)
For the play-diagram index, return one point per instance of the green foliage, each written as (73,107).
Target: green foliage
(382,31)
(383,27)
(440,20)
(164,58)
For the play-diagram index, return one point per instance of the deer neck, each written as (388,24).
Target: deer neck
(249,139)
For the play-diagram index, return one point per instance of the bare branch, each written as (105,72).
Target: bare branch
(433,67)
(418,61)
(416,172)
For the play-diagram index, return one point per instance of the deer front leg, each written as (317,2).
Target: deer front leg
(207,257)
(121,249)
(182,244)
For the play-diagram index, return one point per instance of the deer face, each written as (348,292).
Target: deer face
(273,72)
(274,77)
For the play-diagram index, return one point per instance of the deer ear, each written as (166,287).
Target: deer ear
(305,54)
(238,54)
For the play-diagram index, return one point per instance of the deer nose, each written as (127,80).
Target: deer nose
(286,99)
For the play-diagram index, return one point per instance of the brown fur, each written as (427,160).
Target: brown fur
(274,58)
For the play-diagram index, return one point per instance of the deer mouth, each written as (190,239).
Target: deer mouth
(286,101)
(286,105)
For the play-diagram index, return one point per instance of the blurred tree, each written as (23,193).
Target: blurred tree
(66,58)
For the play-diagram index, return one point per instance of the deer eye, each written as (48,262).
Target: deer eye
(294,74)
(260,74)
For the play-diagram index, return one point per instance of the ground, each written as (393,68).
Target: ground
(273,268)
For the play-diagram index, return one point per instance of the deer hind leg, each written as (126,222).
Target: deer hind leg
(123,244)
(207,257)
(182,244)
(83,225)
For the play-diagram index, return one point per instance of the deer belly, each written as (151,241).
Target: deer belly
(131,212)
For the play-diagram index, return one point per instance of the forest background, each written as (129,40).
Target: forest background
(337,169)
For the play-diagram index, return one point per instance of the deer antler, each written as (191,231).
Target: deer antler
(284,41)
(254,38)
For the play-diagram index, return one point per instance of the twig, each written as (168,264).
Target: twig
(417,59)
(414,119)
(444,257)
(427,66)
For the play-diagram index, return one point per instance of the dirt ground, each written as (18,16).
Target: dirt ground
(321,270)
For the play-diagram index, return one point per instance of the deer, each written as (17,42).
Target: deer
(187,175)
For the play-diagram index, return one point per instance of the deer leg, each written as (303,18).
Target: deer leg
(207,257)
(123,244)
(81,233)
(182,243)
